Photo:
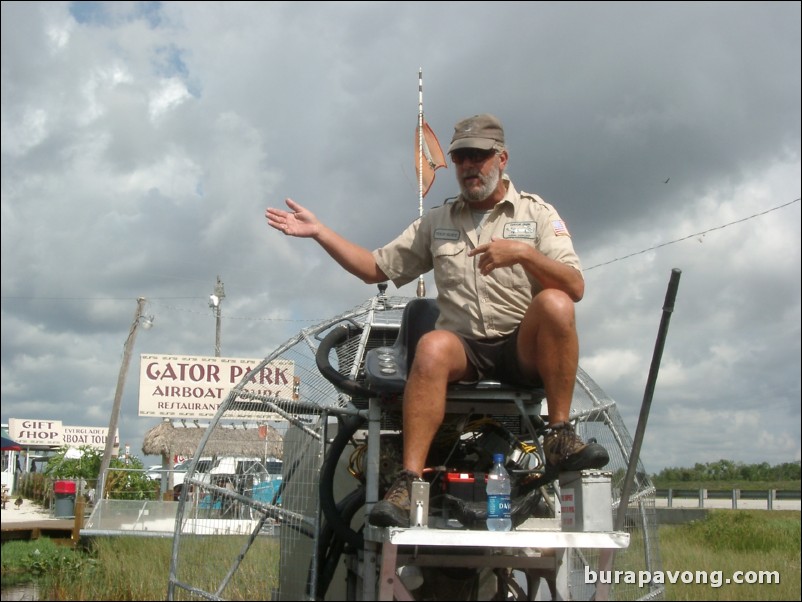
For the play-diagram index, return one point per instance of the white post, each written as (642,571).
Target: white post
(216,303)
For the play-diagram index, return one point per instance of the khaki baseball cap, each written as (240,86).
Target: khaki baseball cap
(480,131)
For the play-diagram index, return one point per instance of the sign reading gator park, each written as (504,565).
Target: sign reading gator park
(175,386)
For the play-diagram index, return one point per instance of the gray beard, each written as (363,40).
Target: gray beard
(489,184)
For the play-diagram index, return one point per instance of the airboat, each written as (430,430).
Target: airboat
(306,537)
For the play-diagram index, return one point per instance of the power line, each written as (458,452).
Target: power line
(188,310)
(665,244)
(91,298)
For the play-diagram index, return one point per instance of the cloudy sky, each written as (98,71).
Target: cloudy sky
(142,142)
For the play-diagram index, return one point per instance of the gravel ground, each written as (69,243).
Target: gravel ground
(27,511)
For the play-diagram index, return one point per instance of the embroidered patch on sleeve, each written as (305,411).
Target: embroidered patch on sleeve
(560,229)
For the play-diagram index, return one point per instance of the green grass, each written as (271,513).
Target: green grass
(26,561)
(735,540)
(137,568)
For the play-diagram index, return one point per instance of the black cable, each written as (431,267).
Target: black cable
(327,504)
(347,508)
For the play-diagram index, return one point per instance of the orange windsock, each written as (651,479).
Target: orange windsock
(433,156)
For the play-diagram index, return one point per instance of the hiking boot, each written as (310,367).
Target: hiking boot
(566,452)
(393,510)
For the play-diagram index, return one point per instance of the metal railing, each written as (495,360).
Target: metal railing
(710,498)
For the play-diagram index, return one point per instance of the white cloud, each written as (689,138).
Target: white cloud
(21,136)
(170,95)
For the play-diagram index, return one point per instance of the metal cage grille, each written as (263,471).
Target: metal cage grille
(230,543)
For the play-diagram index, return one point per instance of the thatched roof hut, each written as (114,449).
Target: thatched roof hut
(166,440)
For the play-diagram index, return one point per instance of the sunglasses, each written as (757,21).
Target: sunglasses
(474,155)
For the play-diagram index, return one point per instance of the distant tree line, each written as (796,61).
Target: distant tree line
(726,470)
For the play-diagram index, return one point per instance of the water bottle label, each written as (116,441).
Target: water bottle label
(498,506)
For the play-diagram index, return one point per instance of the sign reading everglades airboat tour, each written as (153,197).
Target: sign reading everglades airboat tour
(53,433)
(176,386)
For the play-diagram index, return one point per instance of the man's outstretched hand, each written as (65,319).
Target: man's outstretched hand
(299,221)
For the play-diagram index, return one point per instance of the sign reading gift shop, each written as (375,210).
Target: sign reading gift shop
(55,434)
(175,386)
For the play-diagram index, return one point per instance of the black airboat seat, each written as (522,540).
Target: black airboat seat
(387,368)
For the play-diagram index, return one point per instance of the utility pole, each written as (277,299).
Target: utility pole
(215,302)
(115,410)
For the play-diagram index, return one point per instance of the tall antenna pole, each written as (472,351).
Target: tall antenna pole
(421,284)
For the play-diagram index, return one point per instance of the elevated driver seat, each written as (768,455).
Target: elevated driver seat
(386,372)
(387,369)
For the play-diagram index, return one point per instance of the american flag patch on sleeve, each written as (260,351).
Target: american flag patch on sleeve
(560,229)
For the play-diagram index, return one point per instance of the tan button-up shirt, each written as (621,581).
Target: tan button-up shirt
(477,306)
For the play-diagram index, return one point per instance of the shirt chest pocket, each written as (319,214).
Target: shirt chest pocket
(514,276)
(449,258)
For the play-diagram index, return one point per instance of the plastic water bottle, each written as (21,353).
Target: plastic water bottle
(498,496)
